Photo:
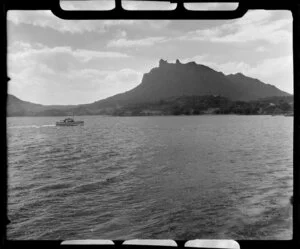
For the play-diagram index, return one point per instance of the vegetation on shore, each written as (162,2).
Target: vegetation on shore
(211,104)
(181,105)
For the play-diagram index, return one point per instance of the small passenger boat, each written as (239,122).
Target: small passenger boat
(69,122)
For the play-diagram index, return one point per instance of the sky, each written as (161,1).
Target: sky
(55,61)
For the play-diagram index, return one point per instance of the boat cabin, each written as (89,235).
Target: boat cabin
(68,120)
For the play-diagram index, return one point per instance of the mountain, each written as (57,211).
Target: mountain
(163,82)
(177,79)
(18,107)
(253,89)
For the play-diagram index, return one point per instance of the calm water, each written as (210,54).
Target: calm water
(180,177)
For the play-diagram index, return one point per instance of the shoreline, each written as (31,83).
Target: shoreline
(181,115)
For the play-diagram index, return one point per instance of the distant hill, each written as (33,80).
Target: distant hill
(253,89)
(18,107)
(177,79)
(163,82)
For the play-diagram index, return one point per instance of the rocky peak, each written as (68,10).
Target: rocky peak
(162,62)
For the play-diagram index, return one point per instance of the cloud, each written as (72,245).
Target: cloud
(87,5)
(125,75)
(211,6)
(260,49)
(63,75)
(61,58)
(110,4)
(254,26)
(123,42)
(133,5)
(46,19)
(88,55)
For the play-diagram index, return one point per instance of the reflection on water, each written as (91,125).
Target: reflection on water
(151,177)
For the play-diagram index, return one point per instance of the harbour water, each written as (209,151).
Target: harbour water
(175,177)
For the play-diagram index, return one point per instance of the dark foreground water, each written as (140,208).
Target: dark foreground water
(151,177)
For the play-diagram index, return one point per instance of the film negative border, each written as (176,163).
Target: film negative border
(178,13)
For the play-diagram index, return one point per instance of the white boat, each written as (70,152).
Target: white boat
(69,122)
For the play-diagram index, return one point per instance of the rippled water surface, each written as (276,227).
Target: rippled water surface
(181,177)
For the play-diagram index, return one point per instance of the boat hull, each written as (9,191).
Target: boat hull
(76,123)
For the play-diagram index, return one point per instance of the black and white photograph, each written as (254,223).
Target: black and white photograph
(150,129)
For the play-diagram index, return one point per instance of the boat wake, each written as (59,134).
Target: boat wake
(30,126)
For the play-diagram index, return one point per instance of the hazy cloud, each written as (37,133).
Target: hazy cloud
(87,5)
(260,49)
(134,5)
(60,58)
(64,69)
(46,19)
(211,6)
(123,42)
(254,26)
